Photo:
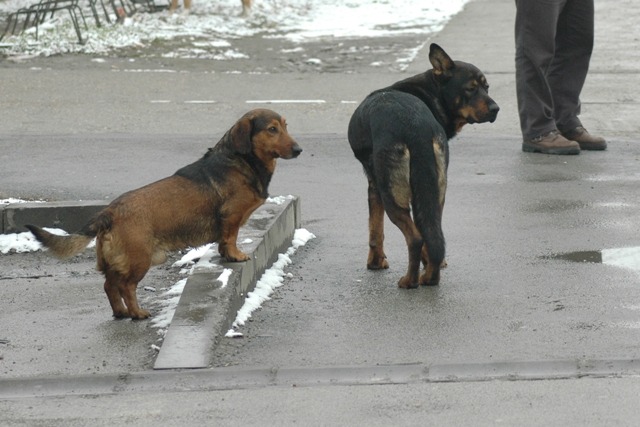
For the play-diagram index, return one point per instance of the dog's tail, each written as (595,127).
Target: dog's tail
(60,246)
(68,245)
(428,185)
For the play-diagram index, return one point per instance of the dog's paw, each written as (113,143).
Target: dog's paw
(376,262)
(121,313)
(139,314)
(237,257)
(232,253)
(378,265)
(406,282)
(432,279)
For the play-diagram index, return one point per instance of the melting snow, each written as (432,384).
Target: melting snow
(212,27)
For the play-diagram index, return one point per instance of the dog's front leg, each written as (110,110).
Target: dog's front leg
(227,247)
(241,209)
(231,253)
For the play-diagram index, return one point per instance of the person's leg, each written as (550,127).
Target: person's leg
(535,35)
(568,70)
(535,31)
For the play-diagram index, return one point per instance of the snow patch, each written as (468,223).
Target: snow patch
(271,279)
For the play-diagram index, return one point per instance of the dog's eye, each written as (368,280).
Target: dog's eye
(273,129)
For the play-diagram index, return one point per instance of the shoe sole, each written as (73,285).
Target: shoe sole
(559,151)
(595,147)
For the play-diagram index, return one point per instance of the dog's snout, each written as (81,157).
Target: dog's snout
(296,150)
(493,111)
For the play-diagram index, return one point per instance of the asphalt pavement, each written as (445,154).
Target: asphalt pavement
(531,325)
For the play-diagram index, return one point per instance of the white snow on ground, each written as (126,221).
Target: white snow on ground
(24,242)
(12,200)
(271,279)
(168,304)
(622,257)
(216,24)
(199,258)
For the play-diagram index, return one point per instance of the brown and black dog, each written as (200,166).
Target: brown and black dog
(400,135)
(206,201)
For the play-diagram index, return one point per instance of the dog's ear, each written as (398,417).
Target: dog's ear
(442,63)
(241,135)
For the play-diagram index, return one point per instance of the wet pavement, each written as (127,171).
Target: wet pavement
(530,291)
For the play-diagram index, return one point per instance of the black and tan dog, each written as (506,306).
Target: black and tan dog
(206,201)
(400,135)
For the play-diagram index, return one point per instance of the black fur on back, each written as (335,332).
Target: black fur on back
(384,119)
(214,166)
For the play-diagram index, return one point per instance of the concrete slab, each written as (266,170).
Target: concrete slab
(208,306)
(69,216)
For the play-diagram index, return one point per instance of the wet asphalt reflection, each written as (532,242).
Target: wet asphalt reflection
(619,257)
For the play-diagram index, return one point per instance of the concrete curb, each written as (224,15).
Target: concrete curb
(69,216)
(240,378)
(207,308)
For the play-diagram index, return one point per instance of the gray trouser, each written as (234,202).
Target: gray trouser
(554,40)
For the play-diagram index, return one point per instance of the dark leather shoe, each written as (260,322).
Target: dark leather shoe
(551,143)
(585,139)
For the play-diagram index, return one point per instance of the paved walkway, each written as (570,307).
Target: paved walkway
(503,305)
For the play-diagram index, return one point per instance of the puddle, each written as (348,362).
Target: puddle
(582,256)
(620,257)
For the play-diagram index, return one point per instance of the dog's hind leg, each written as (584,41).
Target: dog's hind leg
(127,290)
(139,264)
(429,187)
(113,294)
(377,259)
(432,264)
(124,262)
(402,219)
(121,292)
(431,274)
(425,260)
